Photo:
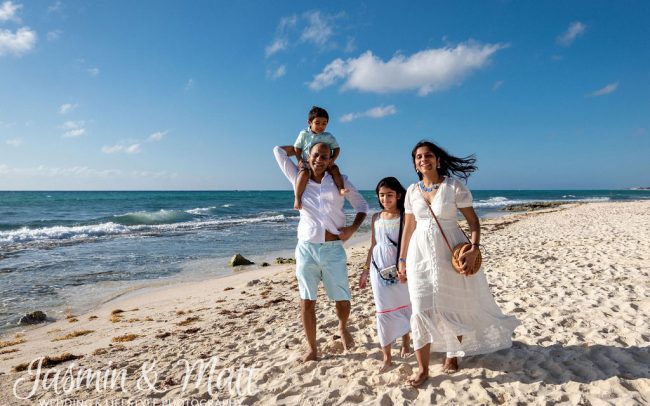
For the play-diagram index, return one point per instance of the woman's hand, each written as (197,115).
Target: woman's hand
(467,258)
(363,279)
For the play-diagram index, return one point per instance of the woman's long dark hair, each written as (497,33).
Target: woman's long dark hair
(392,184)
(449,164)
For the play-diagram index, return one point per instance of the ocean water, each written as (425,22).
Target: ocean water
(74,250)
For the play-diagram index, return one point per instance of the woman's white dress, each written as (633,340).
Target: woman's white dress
(446,304)
(391,301)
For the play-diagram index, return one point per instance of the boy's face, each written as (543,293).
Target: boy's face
(318,125)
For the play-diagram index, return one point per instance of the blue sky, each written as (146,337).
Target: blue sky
(193,95)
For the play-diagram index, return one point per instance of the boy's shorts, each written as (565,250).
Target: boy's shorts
(322,261)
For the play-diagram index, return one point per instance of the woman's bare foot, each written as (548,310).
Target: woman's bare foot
(310,356)
(419,378)
(297,204)
(405,352)
(450,365)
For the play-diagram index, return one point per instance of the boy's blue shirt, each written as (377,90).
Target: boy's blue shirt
(307,138)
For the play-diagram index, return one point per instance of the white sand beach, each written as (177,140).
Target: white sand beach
(578,278)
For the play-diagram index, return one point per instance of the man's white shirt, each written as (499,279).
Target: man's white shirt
(322,204)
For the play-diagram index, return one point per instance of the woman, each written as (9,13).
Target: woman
(452,313)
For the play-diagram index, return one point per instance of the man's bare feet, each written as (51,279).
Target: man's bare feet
(310,356)
(418,379)
(297,204)
(344,192)
(450,365)
(405,352)
(348,341)
(385,366)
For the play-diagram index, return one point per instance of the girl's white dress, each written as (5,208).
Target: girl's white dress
(446,304)
(391,301)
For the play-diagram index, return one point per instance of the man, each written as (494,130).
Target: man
(321,231)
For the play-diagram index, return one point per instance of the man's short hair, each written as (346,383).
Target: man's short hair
(319,143)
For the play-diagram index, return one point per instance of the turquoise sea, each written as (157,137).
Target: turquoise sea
(74,250)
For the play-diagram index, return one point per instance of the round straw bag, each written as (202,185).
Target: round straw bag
(459,250)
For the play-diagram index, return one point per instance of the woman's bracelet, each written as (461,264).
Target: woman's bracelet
(402,260)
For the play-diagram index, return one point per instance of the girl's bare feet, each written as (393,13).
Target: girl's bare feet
(388,359)
(405,352)
(450,365)
(419,378)
(385,366)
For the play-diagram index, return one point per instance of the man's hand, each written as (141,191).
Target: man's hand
(346,232)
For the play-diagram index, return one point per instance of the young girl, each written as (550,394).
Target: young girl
(391,297)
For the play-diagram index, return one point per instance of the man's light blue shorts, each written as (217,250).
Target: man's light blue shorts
(325,262)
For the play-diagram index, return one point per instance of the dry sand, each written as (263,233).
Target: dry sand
(577,277)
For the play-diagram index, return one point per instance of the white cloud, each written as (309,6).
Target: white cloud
(15,142)
(375,112)
(67,108)
(311,27)
(277,45)
(281,40)
(74,133)
(54,7)
(157,136)
(319,30)
(190,84)
(276,73)
(497,85)
(575,30)
(127,149)
(93,71)
(8,11)
(134,146)
(73,129)
(350,46)
(426,71)
(132,149)
(54,35)
(610,88)
(78,172)
(18,43)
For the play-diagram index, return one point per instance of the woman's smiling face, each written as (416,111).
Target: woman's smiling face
(425,160)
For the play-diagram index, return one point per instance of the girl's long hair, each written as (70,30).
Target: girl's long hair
(449,164)
(392,184)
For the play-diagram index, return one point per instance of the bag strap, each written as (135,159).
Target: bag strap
(435,218)
(437,222)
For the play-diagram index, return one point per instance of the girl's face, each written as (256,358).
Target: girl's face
(425,160)
(388,198)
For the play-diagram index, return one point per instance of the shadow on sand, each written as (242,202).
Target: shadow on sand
(558,364)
